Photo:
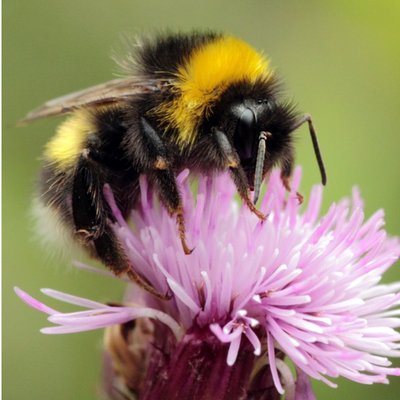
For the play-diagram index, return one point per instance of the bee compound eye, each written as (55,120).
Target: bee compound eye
(245,134)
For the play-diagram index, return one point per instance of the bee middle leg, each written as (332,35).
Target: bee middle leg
(91,216)
(165,182)
(164,179)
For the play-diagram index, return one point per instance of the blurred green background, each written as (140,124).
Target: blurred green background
(341,63)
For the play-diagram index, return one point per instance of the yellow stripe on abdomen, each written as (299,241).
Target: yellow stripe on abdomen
(65,147)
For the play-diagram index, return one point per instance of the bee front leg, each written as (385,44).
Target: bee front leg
(242,186)
(239,178)
(286,173)
(91,215)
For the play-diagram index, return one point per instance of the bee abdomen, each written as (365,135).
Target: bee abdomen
(63,150)
(51,211)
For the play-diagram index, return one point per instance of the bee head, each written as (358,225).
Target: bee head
(248,115)
(258,126)
(260,135)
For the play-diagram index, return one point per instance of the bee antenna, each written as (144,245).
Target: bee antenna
(317,152)
(259,171)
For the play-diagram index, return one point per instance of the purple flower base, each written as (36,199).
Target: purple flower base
(193,368)
(197,369)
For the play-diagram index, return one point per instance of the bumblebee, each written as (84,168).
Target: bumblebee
(204,101)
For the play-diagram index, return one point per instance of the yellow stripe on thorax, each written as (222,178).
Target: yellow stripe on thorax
(207,73)
(66,146)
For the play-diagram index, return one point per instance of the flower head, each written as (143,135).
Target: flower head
(293,285)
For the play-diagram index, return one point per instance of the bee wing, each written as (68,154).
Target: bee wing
(115,91)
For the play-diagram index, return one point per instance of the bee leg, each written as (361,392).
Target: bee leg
(164,180)
(307,118)
(286,173)
(154,147)
(232,161)
(286,184)
(88,207)
(242,186)
(91,213)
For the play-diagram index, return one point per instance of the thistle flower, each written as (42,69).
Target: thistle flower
(249,295)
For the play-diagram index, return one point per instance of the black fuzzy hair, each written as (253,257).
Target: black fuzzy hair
(160,56)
